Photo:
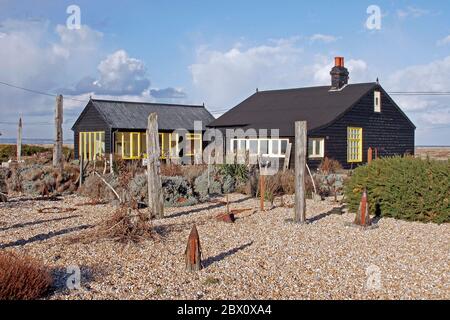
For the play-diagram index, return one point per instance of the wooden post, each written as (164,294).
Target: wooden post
(300,165)
(287,158)
(155,195)
(111,163)
(262,190)
(193,252)
(57,149)
(81,157)
(369,155)
(19,141)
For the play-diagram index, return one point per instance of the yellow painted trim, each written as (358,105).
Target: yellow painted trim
(353,143)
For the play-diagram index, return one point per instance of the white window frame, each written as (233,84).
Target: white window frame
(377,101)
(313,142)
(270,141)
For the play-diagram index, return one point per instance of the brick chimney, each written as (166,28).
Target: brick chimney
(339,74)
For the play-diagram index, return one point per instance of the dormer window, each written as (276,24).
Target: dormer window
(377,101)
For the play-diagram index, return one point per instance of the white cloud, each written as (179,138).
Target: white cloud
(444,41)
(412,12)
(224,78)
(323,38)
(35,55)
(431,77)
(118,75)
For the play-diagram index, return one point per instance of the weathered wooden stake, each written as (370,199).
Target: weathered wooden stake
(57,149)
(155,195)
(193,252)
(80,180)
(300,165)
(111,163)
(287,158)
(19,141)
(369,155)
(262,191)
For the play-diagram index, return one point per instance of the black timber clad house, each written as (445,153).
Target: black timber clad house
(106,128)
(343,119)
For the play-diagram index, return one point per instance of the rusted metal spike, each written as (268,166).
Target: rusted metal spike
(193,252)
(362,217)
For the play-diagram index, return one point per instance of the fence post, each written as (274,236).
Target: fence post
(369,155)
(287,158)
(300,165)
(155,195)
(57,149)
(19,141)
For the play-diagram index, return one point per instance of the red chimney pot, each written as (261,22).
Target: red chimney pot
(339,61)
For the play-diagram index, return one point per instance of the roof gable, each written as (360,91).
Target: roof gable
(278,109)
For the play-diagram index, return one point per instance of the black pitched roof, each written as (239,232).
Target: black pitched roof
(278,109)
(134,115)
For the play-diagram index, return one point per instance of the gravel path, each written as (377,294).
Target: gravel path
(260,256)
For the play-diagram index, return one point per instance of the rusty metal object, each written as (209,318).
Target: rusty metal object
(226,217)
(193,252)
(363,217)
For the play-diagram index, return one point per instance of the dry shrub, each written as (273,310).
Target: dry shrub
(95,189)
(287,180)
(329,165)
(22,278)
(125,225)
(192,172)
(171,170)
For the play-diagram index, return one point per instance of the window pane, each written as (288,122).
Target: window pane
(253,147)
(275,147)
(284,144)
(263,147)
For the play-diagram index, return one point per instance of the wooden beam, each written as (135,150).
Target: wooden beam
(155,194)
(19,141)
(300,166)
(57,149)
(287,158)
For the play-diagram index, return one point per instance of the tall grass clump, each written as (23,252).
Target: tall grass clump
(22,278)
(406,188)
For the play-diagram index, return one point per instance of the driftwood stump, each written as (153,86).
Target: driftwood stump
(193,253)
(362,217)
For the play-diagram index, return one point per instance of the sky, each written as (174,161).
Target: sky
(217,53)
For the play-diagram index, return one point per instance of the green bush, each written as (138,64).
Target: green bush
(403,188)
(9,151)
(237,171)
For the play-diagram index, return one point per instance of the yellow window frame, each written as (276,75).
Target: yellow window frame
(135,151)
(354,144)
(195,137)
(90,144)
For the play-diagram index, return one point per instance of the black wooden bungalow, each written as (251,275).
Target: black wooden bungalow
(106,128)
(343,121)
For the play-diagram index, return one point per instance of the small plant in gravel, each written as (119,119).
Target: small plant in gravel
(22,278)
(211,281)
(238,171)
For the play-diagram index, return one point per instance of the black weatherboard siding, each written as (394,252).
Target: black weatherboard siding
(110,116)
(91,120)
(390,131)
(328,114)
